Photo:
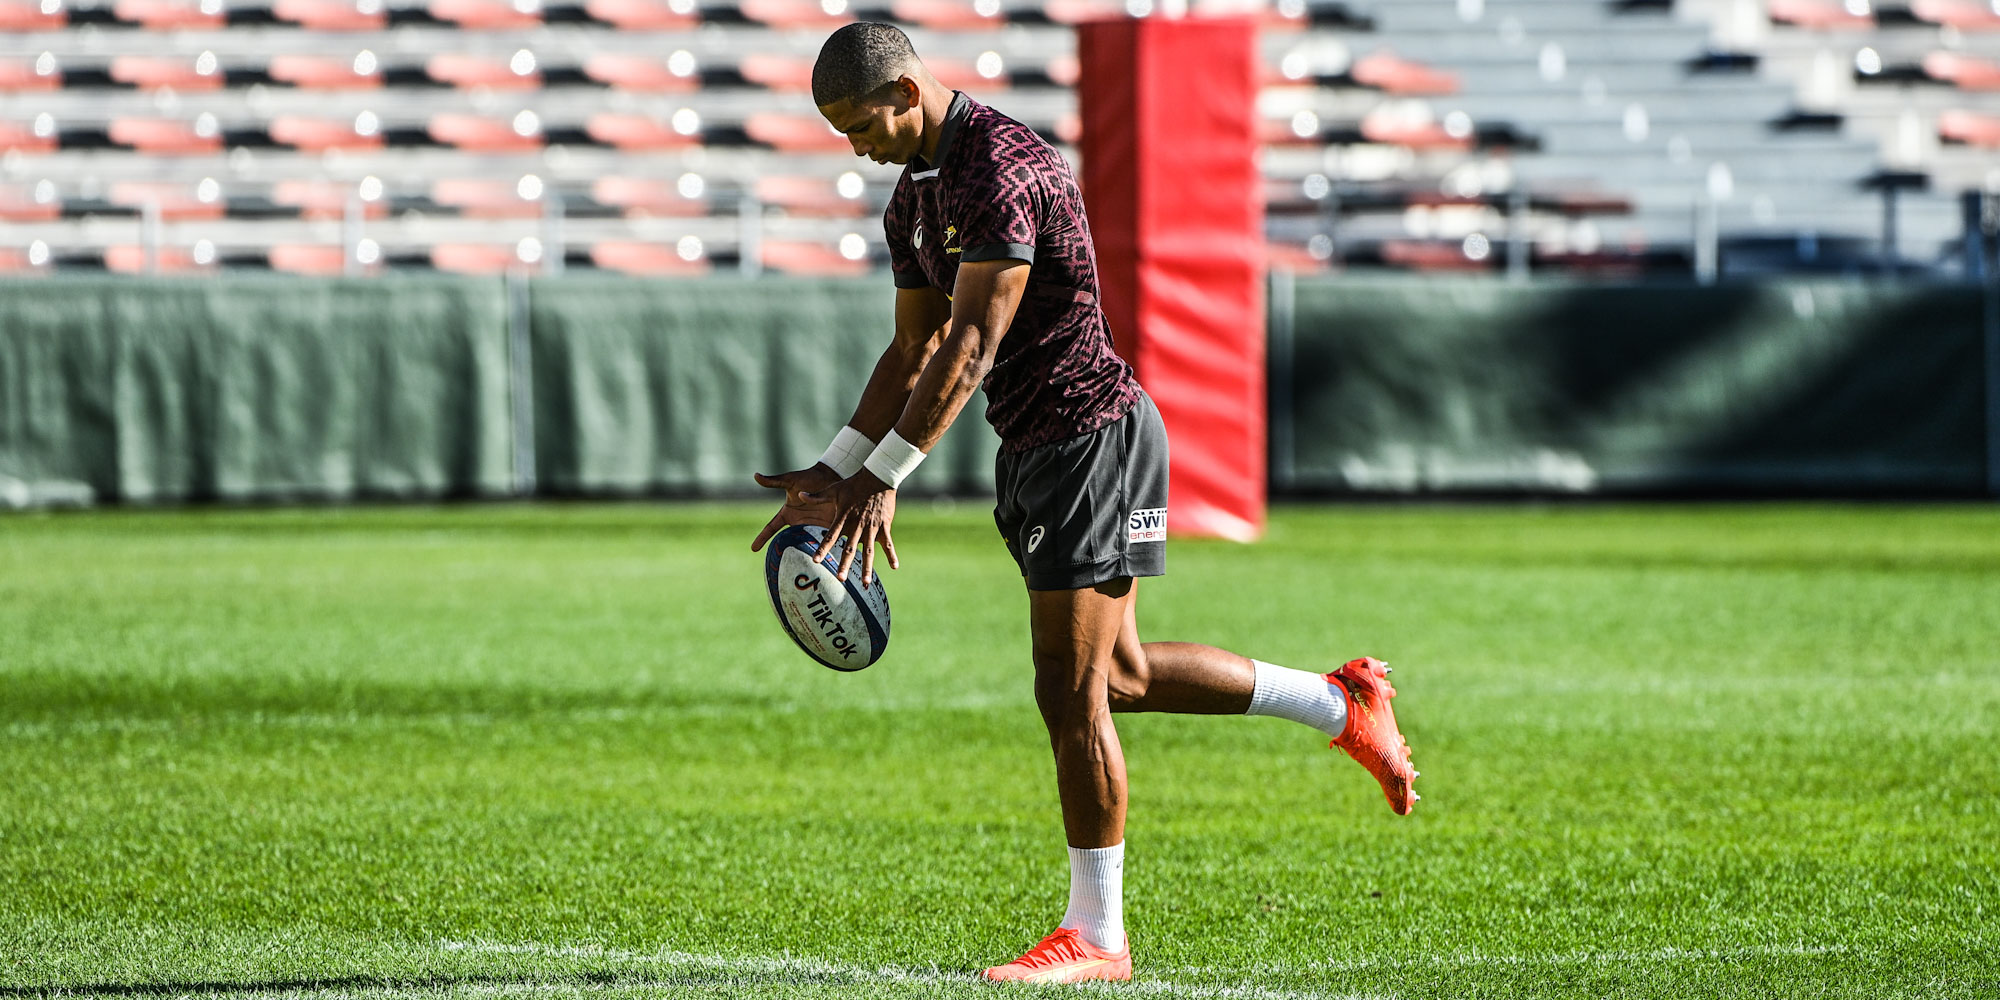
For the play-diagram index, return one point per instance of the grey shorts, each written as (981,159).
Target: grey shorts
(1077,513)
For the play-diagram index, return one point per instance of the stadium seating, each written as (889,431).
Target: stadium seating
(1586,131)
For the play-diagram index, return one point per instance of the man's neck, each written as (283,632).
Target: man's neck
(937,106)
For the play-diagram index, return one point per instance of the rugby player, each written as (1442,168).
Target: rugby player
(996,286)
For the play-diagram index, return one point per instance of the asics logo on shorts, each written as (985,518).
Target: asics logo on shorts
(1035,538)
(1149,525)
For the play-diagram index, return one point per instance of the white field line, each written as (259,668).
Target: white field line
(1669,955)
(394,720)
(836,973)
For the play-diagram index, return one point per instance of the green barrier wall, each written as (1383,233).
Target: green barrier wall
(238,388)
(270,388)
(686,387)
(1461,386)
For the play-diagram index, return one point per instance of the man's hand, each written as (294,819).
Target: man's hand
(863,506)
(797,509)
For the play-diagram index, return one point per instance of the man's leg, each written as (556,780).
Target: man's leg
(1076,635)
(1349,705)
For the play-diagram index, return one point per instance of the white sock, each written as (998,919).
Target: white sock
(1299,696)
(1097,895)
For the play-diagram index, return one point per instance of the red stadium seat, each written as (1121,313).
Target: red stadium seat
(330,15)
(1965,15)
(1427,255)
(1970,128)
(168,15)
(1393,126)
(177,202)
(777,72)
(157,73)
(15,262)
(21,136)
(1389,73)
(625,71)
(321,73)
(317,199)
(810,259)
(166,137)
(645,196)
(480,134)
(474,258)
(18,204)
(1069,128)
(304,258)
(649,259)
(484,198)
(636,133)
(489,15)
(944,15)
(22,75)
(815,14)
(16,16)
(491,72)
(1962,71)
(808,196)
(641,15)
(1063,71)
(315,135)
(795,133)
(132,260)
(1074,11)
(1820,15)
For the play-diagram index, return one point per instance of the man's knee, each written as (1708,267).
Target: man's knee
(1069,693)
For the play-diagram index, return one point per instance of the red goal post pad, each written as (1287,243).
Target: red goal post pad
(1170,179)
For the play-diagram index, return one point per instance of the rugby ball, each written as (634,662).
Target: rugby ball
(842,625)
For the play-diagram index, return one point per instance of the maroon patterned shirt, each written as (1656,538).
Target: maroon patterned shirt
(999,191)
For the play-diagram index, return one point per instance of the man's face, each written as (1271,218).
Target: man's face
(886,130)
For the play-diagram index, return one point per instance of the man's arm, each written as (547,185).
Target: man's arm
(921,315)
(982,308)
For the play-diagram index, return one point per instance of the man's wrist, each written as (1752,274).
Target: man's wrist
(870,481)
(849,449)
(893,460)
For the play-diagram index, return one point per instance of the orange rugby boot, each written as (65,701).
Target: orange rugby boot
(1371,736)
(1065,957)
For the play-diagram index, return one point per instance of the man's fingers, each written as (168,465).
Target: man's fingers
(868,563)
(777,522)
(832,536)
(847,554)
(889,546)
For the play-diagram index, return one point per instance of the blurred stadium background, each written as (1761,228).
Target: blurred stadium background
(1722,246)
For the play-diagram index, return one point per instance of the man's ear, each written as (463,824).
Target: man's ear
(907,89)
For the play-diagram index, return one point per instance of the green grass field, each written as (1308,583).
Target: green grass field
(1667,751)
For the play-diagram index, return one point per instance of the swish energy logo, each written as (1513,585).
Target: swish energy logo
(1149,525)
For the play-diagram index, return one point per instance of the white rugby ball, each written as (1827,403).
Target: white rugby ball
(842,625)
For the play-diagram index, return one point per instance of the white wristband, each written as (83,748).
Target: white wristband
(849,449)
(894,459)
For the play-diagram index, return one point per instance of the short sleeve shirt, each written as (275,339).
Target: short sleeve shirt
(998,190)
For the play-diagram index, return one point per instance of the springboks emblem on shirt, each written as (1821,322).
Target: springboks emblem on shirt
(951,233)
